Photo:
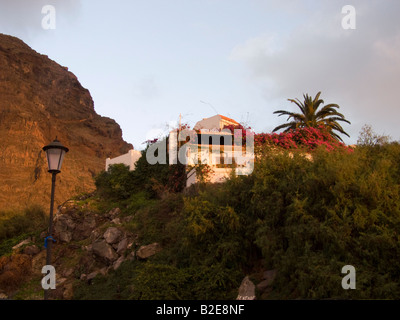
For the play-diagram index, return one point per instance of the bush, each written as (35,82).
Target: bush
(320,215)
(119,183)
(305,217)
(15,227)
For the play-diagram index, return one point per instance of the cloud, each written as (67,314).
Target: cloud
(358,69)
(23,18)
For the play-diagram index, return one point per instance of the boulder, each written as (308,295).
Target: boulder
(112,235)
(247,290)
(112,214)
(148,251)
(92,275)
(104,251)
(84,229)
(122,246)
(22,243)
(118,263)
(64,225)
(31,250)
(116,221)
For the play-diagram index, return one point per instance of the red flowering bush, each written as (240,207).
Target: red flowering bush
(240,133)
(307,138)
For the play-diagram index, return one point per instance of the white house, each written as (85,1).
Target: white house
(216,122)
(128,159)
(214,147)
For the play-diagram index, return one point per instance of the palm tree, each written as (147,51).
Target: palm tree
(310,116)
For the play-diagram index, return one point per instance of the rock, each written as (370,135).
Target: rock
(63,227)
(31,250)
(104,251)
(95,235)
(112,235)
(103,271)
(22,243)
(127,219)
(69,224)
(116,221)
(65,236)
(131,256)
(84,229)
(122,246)
(92,275)
(148,251)
(118,263)
(40,99)
(112,214)
(3,296)
(83,277)
(68,272)
(130,245)
(87,262)
(38,261)
(68,293)
(247,290)
(60,281)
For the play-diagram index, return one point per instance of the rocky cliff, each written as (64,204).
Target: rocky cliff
(41,100)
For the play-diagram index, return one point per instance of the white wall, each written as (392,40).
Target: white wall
(219,175)
(128,159)
(208,123)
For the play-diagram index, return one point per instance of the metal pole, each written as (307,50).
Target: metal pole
(50,234)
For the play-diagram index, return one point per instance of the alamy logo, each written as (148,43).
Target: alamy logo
(49,280)
(49,20)
(189,147)
(349,281)
(349,20)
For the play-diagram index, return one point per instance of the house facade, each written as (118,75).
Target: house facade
(129,159)
(214,147)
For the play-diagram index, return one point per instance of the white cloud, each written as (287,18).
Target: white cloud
(358,69)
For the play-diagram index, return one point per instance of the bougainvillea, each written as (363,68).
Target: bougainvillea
(240,133)
(307,138)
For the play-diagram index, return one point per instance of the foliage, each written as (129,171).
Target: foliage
(119,183)
(311,116)
(307,138)
(369,138)
(203,172)
(115,183)
(304,218)
(339,209)
(17,226)
(13,270)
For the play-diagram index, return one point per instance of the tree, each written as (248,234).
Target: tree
(368,137)
(312,116)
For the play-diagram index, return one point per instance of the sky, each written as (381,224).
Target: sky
(146,62)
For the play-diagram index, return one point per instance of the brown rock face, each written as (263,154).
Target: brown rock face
(41,100)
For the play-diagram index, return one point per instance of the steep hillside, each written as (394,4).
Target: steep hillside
(41,100)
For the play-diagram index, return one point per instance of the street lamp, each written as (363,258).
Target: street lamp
(55,153)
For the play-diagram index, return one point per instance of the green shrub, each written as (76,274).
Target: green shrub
(15,227)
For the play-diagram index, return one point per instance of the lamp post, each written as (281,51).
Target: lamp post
(55,153)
